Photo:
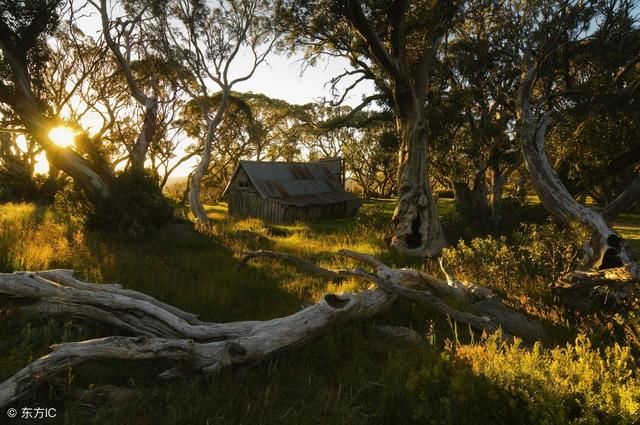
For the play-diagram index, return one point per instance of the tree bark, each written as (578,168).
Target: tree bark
(418,230)
(486,312)
(237,343)
(606,248)
(590,292)
(498,181)
(195,201)
(149,127)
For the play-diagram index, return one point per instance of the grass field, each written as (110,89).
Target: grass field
(352,375)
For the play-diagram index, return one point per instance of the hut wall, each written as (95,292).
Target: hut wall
(320,212)
(249,204)
(245,201)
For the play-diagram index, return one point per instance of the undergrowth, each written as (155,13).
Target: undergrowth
(352,375)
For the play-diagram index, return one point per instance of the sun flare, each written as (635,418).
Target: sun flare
(63,136)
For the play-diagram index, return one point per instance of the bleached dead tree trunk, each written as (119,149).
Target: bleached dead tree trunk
(606,248)
(156,330)
(208,40)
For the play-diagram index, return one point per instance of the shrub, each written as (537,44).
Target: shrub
(572,384)
(535,250)
(509,213)
(135,207)
(30,239)
(457,228)
(508,216)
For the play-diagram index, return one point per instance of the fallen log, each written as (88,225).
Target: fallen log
(238,343)
(57,293)
(589,291)
(486,312)
(152,329)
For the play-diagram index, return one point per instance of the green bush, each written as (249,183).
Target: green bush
(136,206)
(509,213)
(573,384)
(535,250)
(508,216)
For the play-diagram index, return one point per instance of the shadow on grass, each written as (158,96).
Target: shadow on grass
(351,375)
(195,273)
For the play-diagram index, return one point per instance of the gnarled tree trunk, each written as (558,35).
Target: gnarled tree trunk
(418,230)
(606,248)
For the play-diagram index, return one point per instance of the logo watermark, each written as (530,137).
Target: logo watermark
(32,413)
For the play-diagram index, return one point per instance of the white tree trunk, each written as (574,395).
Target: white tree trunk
(195,198)
(214,347)
(606,249)
(149,128)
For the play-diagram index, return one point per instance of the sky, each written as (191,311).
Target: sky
(283,78)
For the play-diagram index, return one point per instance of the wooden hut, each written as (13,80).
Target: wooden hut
(282,192)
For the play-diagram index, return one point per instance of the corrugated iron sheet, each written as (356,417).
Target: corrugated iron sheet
(278,179)
(298,184)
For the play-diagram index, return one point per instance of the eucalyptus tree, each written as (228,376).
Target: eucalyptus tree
(255,127)
(127,39)
(24,29)
(235,138)
(553,71)
(370,159)
(393,44)
(602,123)
(208,40)
(473,112)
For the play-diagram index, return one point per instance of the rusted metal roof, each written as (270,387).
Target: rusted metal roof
(296,183)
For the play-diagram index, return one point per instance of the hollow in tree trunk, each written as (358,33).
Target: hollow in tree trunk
(417,227)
